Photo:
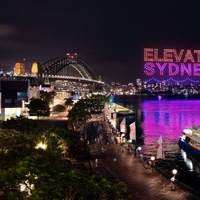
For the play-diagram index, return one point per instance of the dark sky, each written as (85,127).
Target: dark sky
(108,35)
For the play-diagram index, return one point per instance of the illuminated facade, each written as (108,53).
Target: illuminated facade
(34,69)
(19,68)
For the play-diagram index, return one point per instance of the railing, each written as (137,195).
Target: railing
(166,176)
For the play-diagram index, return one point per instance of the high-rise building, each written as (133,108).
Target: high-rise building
(138,82)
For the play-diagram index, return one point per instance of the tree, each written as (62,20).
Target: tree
(79,114)
(98,101)
(47,96)
(59,108)
(22,164)
(39,108)
(69,103)
(20,123)
(29,170)
(77,148)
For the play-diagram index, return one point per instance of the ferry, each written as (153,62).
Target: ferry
(190,141)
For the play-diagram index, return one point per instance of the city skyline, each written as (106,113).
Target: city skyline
(108,36)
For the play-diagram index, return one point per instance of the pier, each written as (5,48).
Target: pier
(121,110)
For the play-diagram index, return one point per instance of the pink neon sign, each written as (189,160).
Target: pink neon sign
(171,62)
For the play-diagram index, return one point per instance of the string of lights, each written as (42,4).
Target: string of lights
(172,80)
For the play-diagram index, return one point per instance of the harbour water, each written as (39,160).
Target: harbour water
(167,116)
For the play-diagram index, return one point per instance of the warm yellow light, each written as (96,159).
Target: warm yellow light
(41,145)
(26,187)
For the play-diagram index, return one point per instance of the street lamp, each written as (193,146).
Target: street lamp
(152,162)
(174,172)
(173,178)
(139,151)
(130,145)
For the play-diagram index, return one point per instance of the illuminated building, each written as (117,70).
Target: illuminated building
(34,92)
(19,68)
(34,69)
(12,95)
(138,82)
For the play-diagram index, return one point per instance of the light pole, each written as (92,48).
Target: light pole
(173,178)
(139,151)
(130,145)
(152,162)
(174,172)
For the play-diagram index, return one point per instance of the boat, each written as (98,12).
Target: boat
(190,141)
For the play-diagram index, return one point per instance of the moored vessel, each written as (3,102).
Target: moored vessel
(190,140)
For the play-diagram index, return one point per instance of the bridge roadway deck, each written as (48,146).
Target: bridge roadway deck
(116,162)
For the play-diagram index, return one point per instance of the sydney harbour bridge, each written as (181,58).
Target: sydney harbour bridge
(67,68)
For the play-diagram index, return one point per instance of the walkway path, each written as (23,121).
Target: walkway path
(116,162)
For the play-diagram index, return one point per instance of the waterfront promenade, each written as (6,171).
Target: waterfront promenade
(113,161)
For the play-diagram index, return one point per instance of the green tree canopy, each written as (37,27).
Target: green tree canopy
(20,123)
(77,148)
(59,108)
(69,103)
(39,108)
(47,96)
(37,166)
(79,114)
(97,102)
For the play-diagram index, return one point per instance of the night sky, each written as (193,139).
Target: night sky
(109,36)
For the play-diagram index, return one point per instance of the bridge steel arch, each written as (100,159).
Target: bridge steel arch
(54,66)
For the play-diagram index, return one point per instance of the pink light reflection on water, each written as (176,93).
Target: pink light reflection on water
(169,118)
